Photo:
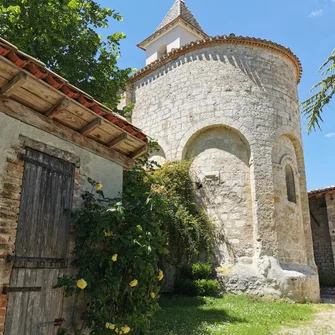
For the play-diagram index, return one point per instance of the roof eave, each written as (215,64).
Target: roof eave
(143,45)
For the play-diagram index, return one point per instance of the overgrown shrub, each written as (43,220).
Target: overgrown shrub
(196,271)
(119,245)
(117,250)
(197,280)
(199,287)
(188,228)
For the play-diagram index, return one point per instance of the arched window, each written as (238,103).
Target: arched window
(290,185)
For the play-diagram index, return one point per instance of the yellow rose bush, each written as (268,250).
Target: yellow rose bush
(117,270)
(121,244)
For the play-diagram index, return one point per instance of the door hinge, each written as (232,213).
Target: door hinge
(6,289)
(12,258)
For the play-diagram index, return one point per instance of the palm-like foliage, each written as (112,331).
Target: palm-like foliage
(313,106)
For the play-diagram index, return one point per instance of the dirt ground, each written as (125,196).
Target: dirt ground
(323,324)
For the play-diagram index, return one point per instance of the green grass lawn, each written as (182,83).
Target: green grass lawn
(233,315)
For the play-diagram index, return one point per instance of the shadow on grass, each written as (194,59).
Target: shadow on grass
(187,316)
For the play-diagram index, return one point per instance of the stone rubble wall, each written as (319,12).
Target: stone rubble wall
(330,201)
(323,252)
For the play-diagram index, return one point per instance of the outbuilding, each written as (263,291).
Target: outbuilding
(53,136)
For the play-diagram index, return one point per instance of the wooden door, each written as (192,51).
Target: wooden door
(41,246)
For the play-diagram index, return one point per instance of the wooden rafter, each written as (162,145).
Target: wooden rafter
(139,152)
(114,142)
(54,110)
(91,126)
(14,84)
(38,120)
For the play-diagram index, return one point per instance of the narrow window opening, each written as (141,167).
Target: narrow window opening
(290,184)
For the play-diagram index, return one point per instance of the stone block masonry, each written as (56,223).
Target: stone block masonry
(233,109)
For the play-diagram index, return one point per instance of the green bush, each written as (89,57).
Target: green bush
(199,287)
(196,271)
(117,250)
(327,278)
(195,280)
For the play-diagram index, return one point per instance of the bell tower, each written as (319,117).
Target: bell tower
(178,28)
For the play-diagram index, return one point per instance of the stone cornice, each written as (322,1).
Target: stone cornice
(221,40)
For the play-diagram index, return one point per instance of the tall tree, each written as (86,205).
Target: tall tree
(62,34)
(314,106)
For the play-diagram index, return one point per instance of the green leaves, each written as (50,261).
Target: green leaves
(116,243)
(313,107)
(62,34)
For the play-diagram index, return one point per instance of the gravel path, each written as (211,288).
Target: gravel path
(323,324)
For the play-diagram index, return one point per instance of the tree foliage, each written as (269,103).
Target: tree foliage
(314,106)
(62,34)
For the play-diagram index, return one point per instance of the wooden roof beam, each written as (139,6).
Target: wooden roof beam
(114,142)
(91,126)
(14,84)
(38,120)
(139,152)
(54,110)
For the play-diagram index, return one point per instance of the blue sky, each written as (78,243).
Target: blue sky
(305,26)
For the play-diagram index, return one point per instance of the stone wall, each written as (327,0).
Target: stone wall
(330,201)
(323,252)
(222,175)
(288,214)
(251,92)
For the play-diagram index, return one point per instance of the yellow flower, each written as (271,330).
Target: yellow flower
(111,326)
(153,295)
(125,329)
(107,325)
(108,233)
(133,283)
(145,179)
(114,258)
(81,283)
(157,188)
(116,330)
(99,186)
(160,275)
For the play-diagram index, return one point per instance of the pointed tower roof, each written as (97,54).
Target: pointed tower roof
(179,9)
(179,14)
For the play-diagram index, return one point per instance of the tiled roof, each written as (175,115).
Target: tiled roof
(321,190)
(179,9)
(220,40)
(39,70)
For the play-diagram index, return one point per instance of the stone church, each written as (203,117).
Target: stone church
(230,104)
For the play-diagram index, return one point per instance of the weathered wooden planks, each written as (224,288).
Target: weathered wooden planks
(35,119)
(43,230)
(23,87)
(46,195)
(29,312)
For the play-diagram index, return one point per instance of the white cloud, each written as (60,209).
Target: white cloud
(330,135)
(316,13)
